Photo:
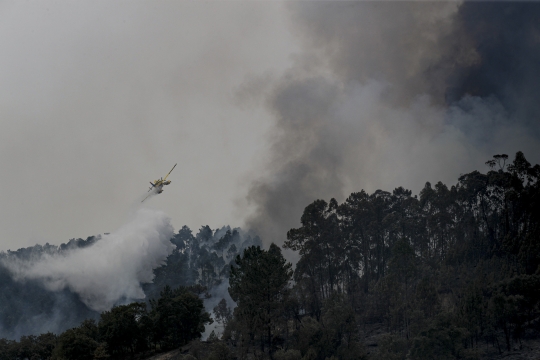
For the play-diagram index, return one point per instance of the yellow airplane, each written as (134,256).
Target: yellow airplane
(158,184)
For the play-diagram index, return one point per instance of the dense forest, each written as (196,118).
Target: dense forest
(28,308)
(453,273)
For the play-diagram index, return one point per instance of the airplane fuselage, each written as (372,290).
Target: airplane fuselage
(157,185)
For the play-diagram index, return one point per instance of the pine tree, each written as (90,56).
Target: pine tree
(259,283)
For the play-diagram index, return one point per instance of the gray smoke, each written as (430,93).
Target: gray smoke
(217,293)
(389,94)
(111,270)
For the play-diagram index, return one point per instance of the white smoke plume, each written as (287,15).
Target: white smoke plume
(110,271)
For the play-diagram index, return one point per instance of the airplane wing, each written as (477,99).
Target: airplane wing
(170,172)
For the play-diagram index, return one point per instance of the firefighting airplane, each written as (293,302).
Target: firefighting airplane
(158,184)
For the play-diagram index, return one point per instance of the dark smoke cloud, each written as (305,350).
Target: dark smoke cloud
(389,94)
(506,37)
(411,45)
(304,153)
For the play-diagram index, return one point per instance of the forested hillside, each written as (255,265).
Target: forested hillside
(450,274)
(202,259)
(28,308)
(453,273)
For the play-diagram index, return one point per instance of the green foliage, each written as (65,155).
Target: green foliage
(442,274)
(512,304)
(392,347)
(202,259)
(308,334)
(259,283)
(78,343)
(8,349)
(335,335)
(223,242)
(205,233)
(101,352)
(28,347)
(122,330)
(406,261)
(222,312)
(340,329)
(178,317)
(310,355)
(402,263)
(290,354)
(196,349)
(175,319)
(444,340)
(319,244)
(220,351)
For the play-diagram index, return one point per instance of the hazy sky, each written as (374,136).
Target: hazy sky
(98,98)
(265,106)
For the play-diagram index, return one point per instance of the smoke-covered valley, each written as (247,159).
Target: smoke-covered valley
(53,288)
(107,271)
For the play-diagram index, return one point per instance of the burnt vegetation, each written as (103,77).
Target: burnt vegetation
(453,273)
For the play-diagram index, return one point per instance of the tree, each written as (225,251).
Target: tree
(78,343)
(222,312)
(259,283)
(223,242)
(120,329)
(204,234)
(179,317)
(318,241)
(442,341)
(220,351)
(232,251)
